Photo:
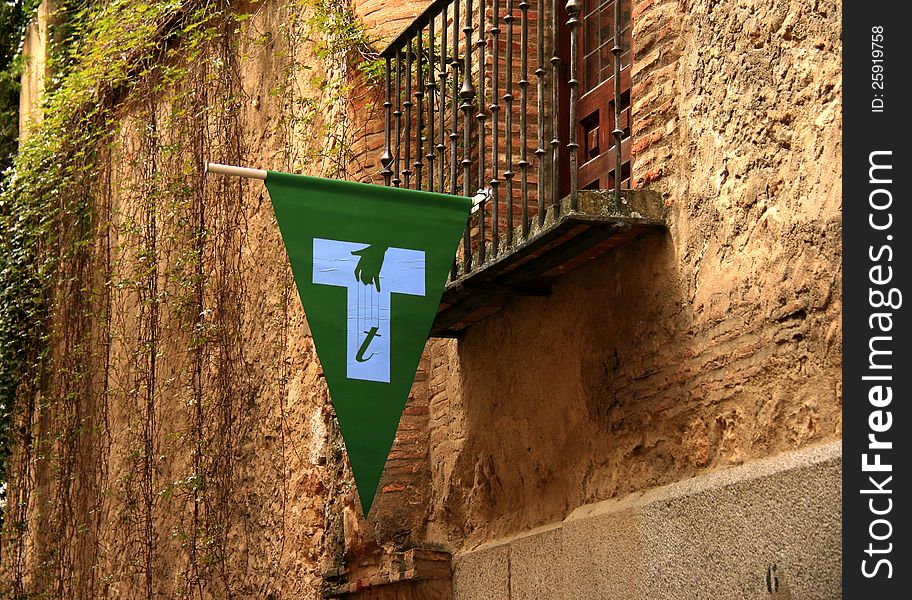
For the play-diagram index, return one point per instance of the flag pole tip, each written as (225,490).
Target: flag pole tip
(235,171)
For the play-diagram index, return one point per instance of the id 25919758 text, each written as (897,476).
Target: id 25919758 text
(877,69)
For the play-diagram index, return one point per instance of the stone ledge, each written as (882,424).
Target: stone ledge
(565,240)
(715,480)
(715,535)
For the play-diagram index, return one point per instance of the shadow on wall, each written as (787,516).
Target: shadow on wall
(555,411)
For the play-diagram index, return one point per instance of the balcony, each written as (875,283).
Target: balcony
(525,107)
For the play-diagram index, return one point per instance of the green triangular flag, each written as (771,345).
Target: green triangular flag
(370,263)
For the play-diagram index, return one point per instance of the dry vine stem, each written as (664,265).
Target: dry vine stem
(136,397)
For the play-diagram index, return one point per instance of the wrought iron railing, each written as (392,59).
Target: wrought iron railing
(463,116)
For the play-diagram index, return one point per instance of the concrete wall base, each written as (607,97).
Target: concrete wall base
(769,529)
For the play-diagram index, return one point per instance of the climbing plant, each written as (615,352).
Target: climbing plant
(115,249)
(14,16)
(40,201)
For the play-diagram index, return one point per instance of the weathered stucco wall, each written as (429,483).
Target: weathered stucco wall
(715,344)
(34,51)
(210,462)
(205,458)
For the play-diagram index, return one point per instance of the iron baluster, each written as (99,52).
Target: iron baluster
(407,105)
(523,112)
(573,22)
(431,87)
(442,92)
(495,110)
(419,105)
(386,159)
(454,104)
(540,73)
(467,94)
(508,124)
(617,132)
(480,117)
(454,123)
(397,114)
(555,109)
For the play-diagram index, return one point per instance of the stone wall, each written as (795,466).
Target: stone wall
(713,345)
(34,51)
(195,453)
(742,532)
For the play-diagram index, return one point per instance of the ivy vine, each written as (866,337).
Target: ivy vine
(57,269)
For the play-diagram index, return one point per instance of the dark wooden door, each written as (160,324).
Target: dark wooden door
(596,108)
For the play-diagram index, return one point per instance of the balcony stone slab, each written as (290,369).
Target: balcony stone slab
(565,240)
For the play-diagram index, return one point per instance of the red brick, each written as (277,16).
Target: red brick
(411,425)
(639,8)
(644,141)
(647,177)
(407,438)
(406,455)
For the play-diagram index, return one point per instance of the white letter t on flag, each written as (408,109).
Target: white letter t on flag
(368,328)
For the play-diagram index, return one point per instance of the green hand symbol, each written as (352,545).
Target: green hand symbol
(367,271)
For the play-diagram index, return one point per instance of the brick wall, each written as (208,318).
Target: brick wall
(656,49)
(715,344)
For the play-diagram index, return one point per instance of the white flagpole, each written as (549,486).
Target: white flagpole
(236,171)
